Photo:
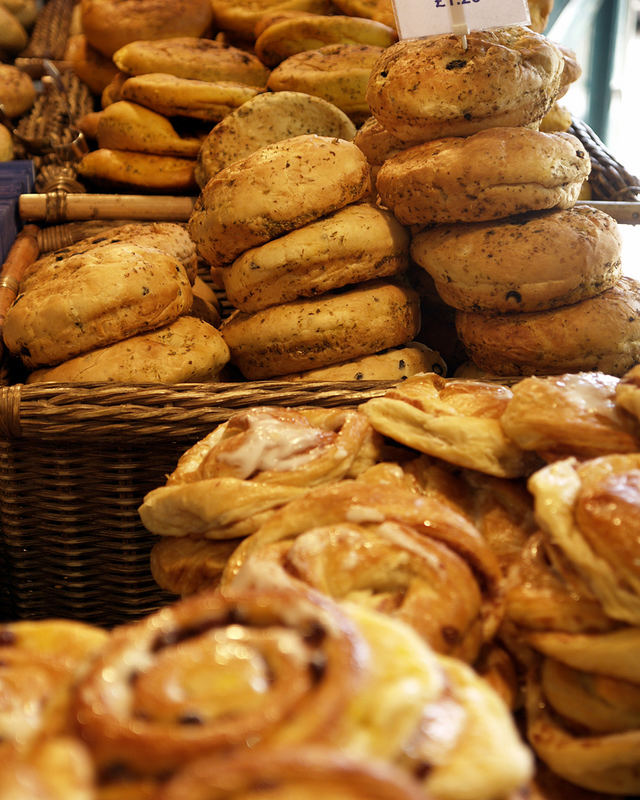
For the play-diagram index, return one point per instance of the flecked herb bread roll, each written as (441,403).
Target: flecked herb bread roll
(489,175)
(277,189)
(95,299)
(531,262)
(429,88)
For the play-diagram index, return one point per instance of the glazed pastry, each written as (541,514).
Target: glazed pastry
(228,483)
(217,673)
(576,414)
(456,420)
(185,565)
(382,545)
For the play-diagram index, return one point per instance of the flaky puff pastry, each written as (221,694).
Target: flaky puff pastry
(230,481)
(433,715)
(454,419)
(40,660)
(589,511)
(575,414)
(215,673)
(303,772)
(385,547)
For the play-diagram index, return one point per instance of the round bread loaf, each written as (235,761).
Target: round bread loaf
(279,188)
(241,18)
(192,57)
(357,243)
(110,24)
(185,351)
(147,171)
(534,262)
(307,334)
(601,333)
(286,37)
(265,119)
(94,299)
(6,144)
(492,174)
(429,88)
(13,36)
(339,73)
(376,142)
(380,10)
(17,90)
(395,364)
(90,65)
(25,11)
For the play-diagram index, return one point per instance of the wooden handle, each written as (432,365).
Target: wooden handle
(624,213)
(53,207)
(23,252)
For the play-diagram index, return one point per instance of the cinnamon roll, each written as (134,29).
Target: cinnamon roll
(386,547)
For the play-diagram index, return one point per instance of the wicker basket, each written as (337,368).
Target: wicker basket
(75,464)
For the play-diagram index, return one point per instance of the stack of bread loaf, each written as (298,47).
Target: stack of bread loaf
(118,306)
(458,155)
(310,262)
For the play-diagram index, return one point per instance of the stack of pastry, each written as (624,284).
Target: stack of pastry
(491,202)
(311,264)
(115,307)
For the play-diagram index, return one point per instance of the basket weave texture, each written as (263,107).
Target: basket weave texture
(75,464)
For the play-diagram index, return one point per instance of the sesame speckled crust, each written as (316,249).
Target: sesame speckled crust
(428,88)
(492,174)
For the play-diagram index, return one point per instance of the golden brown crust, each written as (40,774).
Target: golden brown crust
(601,333)
(305,334)
(336,72)
(430,88)
(265,119)
(357,243)
(89,64)
(380,10)
(492,174)
(281,187)
(187,350)
(241,18)
(376,142)
(145,171)
(192,57)
(186,565)
(96,298)
(487,266)
(110,24)
(17,90)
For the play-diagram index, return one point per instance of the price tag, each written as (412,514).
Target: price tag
(416,18)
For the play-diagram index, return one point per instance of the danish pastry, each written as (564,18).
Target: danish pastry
(185,565)
(454,419)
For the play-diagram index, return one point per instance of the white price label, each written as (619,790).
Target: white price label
(416,18)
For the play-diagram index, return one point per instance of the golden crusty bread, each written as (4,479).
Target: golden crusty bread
(124,125)
(94,299)
(306,334)
(601,333)
(357,243)
(492,174)
(25,11)
(240,18)
(90,65)
(376,142)
(380,10)
(394,364)
(265,119)
(531,262)
(145,171)
(192,57)
(110,24)
(17,90)
(187,97)
(286,37)
(279,188)
(429,88)
(338,73)
(187,350)
(13,36)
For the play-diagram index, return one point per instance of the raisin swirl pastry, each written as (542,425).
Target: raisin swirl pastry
(216,673)
(228,483)
(384,546)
